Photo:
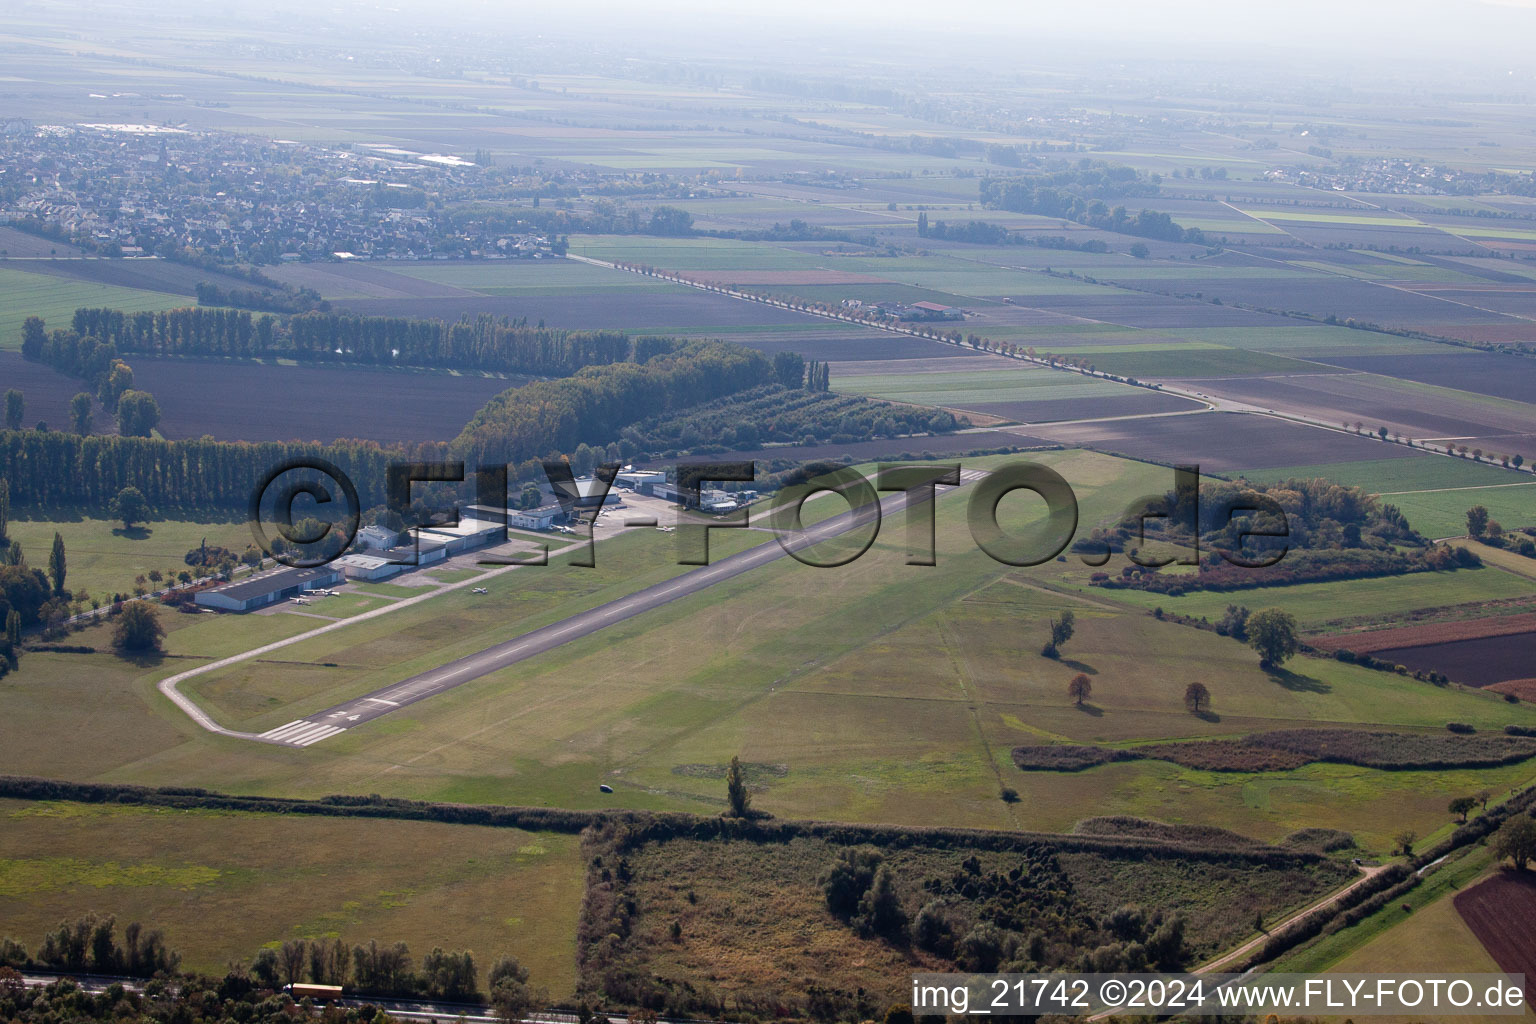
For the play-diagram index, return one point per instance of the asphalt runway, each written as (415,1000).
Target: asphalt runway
(314,728)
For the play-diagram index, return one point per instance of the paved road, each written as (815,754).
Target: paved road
(323,725)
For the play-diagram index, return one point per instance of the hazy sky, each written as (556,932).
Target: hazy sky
(1370,28)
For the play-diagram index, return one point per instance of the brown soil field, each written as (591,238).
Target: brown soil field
(1222,442)
(864,451)
(1479,662)
(680,311)
(1426,634)
(249,401)
(1133,403)
(154,275)
(786,277)
(1499,912)
(1525,689)
(20,244)
(47,393)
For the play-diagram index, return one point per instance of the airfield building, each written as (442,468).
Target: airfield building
(377,537)
(542,518)
(369,568)
(466,535)
(268,587)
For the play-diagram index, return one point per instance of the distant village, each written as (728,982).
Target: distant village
(138,190)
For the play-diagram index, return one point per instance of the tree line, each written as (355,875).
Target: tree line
(1079,195)
(485,343)
(595,404)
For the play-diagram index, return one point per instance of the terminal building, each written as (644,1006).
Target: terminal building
(268,587)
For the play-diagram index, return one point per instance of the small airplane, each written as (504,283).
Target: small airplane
(480,590)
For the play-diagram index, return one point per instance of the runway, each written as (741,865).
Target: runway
(333,721)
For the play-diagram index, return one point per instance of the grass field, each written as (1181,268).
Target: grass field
(222,885)
(55,299)
(1444,513)
(892,693)
(103,558)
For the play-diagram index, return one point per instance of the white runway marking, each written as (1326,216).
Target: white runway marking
(301,733)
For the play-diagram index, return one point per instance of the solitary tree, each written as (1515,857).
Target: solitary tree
(1516,840)
(80,413)
(138,629)
(736,789)
(1080,688)
(15,409)
(1062,627)
(1197,698)
(1272,633)
(1477,520)
(1405,840)
(56,564)
(1461,807)
(1482,797)
(130,506)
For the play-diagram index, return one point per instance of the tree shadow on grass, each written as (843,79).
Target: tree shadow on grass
(1091,710)
(1079,666)
(1296,682)
(1207,716)
(141,659)
(133,532)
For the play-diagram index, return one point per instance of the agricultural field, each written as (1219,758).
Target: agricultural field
(1481,661)
(497,891)
(1028,395)
(47,394)
(24,293)
(1224,443)
(234,401)
(1497,911)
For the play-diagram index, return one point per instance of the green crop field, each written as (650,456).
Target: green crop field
(1316,603)
(222,885)
(55,299)
(1155,361)
(1444,513)
(1026,384)
(1397,477)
